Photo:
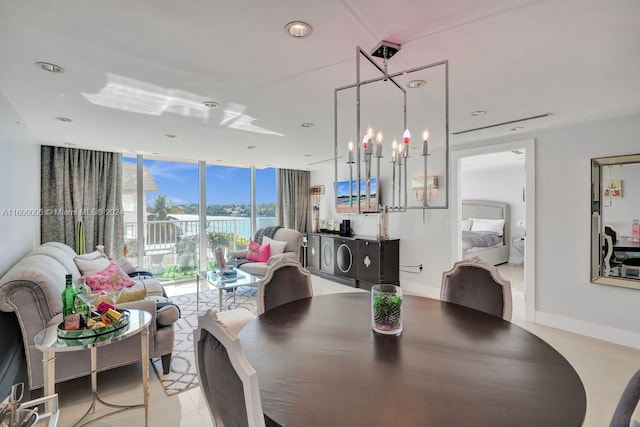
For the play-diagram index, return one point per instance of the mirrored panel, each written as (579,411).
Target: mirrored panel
(615,221)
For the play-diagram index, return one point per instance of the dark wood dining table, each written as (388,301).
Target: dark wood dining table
(320,364)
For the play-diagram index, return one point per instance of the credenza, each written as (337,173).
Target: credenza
(360,262)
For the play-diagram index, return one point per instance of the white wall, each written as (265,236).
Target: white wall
(20,187)
(564,295)
(502,184)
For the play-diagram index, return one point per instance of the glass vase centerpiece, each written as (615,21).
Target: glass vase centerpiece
(386,309)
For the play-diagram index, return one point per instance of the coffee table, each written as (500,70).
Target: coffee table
(49,343)
(221,283)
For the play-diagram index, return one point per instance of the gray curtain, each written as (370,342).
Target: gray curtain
(292,208)
(82,186)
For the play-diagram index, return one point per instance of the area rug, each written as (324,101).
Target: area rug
(183,375)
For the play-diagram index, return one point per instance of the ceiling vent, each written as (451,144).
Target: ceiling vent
(539,116)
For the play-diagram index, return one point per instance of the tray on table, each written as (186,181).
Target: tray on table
(92,333)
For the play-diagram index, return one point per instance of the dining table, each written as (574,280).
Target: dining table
(319,363)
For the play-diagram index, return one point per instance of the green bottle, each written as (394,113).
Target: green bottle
(68,297)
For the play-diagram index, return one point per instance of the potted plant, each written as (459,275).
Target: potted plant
(386,309)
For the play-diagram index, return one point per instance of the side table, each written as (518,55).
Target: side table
(49,343)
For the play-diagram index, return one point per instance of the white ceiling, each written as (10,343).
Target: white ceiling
(138,70)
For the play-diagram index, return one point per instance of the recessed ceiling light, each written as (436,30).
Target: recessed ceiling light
(298,29)
(414,84)
(251,147)
(155,152)
(52,68)
(517,128)
(64,119)
(478,113)
(307,125)
(308,155)
(70,144)
(211,104)
(170,135)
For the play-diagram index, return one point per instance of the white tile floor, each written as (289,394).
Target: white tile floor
(604,369)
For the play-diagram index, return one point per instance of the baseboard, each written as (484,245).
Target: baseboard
(588,329)
(420,289)
(516,260)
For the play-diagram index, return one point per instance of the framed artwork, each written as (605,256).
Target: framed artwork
(613,188)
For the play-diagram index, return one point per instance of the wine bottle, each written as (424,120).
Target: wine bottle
(68,297)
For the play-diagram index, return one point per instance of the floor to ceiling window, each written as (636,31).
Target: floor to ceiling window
(170,217)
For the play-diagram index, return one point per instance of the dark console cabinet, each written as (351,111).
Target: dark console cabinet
(377,261)
(313,251)
(360,262)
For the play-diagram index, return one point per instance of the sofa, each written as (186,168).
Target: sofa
(32,290)
(293,240)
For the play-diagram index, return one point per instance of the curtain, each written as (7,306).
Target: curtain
(292,205)
(82,187)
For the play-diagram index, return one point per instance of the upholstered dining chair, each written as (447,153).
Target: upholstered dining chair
(227,380)
(478,285)
(285,281)
(627,413)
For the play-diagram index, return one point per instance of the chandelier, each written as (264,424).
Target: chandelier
(399,104)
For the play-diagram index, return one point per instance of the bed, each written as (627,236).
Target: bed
(488,236)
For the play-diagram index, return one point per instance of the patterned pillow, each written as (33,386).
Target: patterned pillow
(257,253)
(111,278)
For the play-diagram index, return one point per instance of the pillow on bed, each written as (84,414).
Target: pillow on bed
(491,225)
(466,224)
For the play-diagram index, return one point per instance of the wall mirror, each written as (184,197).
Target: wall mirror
(615,221)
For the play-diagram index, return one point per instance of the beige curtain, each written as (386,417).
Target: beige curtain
(82,186)
(292,208)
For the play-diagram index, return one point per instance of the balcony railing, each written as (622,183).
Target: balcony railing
(171,246)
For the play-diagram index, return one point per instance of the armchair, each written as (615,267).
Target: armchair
(293,239)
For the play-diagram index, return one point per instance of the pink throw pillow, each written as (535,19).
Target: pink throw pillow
(257,253)
(111,278)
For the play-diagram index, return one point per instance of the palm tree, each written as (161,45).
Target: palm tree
(161,206)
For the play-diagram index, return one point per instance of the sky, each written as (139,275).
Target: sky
(225,184)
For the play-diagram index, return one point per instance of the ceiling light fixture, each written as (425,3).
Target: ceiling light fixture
(517,128)
(70,144)
(478,113)
(251,147)
(211,104)
(365,157)
(298,29)
(308,155)
(64,119)
(307,125)
(52,68)
(170,135)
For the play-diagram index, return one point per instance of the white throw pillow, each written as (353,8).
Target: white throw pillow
(277,246)
(491,225)
(91,255)
(466,224)
(89,267)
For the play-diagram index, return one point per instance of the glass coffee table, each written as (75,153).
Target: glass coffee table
(223,283)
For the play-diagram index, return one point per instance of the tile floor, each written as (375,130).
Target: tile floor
(603,367)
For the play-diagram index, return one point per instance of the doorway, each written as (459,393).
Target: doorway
(501,173)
